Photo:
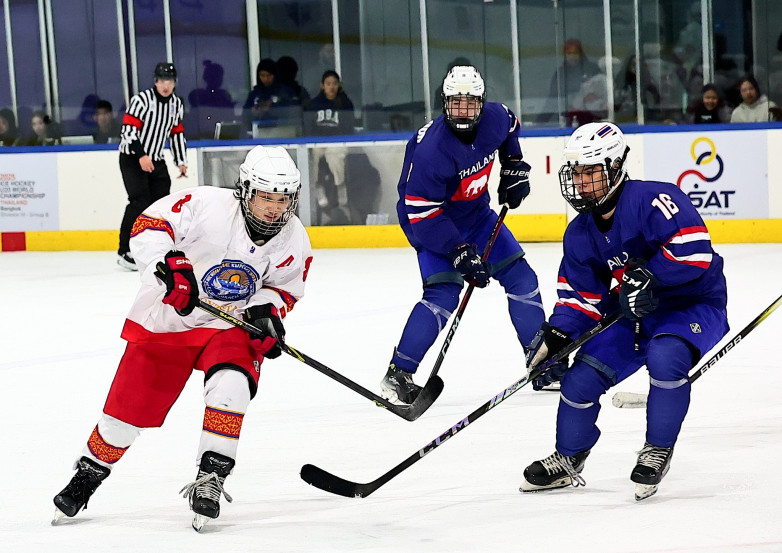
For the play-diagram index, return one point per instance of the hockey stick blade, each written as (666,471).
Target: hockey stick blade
(633,401)
(411,412)
(328,482)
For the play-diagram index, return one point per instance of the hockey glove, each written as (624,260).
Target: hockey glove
(176,272)
(267,319)
(467,262)
(514,182)
(636,296)
(548,341)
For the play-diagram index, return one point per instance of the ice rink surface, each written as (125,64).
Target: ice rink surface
(60,323)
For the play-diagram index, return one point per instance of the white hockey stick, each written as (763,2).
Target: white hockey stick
(631,400)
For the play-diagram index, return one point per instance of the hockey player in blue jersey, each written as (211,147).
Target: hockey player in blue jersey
(444,211)
(642,248)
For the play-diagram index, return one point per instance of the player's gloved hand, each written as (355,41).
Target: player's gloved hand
(176,272)
(548,341)
(636,296)
(266,318)
(514,182)
(467,262)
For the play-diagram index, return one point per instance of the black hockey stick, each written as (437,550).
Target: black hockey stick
(463,304)
(324,480)
(423,400)
(411,412)
(631,400)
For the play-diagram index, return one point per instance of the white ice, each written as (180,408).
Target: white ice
(60,319)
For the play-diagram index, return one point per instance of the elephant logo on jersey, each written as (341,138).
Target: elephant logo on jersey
(230,280)
(473,186)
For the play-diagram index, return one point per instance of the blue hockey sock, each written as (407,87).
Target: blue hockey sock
(427,319)
(669,360)
(579,406)
(524,303)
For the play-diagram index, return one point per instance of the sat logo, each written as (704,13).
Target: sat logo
(703,199)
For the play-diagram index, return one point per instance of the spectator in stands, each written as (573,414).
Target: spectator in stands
(268,96)
(626,90)
(287,68)
(710,108)
(108,128)
(43,132)
(330,113)
(212,103)
(567,80)
(754,107)
(8,131)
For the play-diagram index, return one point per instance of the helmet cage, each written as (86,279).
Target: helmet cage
(463,83)
(268,177)
(600,191)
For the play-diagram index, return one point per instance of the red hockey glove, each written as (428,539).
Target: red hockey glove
(267,319)
(181,286)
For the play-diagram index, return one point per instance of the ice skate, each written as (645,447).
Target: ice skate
(555,471)
(75,495)
(653,465)
(126,261)
(398,386)
(204,493)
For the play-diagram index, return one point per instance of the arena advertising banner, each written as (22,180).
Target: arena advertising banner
(28,192)
(725,174)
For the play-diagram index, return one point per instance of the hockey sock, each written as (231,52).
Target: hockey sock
(227,396)
(109,441)
(579,406)
(427,319)
(524,303)
(669,359)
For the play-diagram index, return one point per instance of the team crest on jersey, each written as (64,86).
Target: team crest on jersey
(474,181)
(230,280)
(695,327)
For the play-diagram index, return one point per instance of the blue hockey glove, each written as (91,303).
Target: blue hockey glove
(514,182)
(467,262)
(548,341)
(636,296)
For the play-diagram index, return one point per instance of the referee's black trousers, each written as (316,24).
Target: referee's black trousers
(143,190)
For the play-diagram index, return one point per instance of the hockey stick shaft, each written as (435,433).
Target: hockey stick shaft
(467,294)
(326,481)
(639,400)
(411,412)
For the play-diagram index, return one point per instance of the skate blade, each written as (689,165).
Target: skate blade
(643,491)
(199,521)
(527,487)
(58,516)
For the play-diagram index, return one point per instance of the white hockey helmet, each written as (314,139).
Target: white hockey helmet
(593,144)
(268,188)
(466,82)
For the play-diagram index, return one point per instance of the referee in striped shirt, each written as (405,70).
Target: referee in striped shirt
(154,115)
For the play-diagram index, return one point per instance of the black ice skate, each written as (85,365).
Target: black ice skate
(653,464)
(204,493)
(398,386)
(555,471)
(126,261)
(74,497)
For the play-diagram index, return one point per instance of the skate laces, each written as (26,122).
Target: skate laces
(653,456)
(208,485)
(557,462)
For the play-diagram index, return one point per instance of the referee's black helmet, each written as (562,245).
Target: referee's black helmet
(165,70)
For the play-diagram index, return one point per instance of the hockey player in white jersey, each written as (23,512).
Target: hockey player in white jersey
(243,251)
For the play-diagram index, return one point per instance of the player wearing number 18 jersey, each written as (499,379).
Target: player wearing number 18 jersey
(642,248)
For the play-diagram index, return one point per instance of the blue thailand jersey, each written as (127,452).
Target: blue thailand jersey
(654,221)
(443,189)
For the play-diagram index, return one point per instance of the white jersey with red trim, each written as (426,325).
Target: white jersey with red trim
(233,273)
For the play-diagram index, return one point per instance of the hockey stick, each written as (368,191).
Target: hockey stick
(463,304)
(326,481)
(411,412)
(631,400)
